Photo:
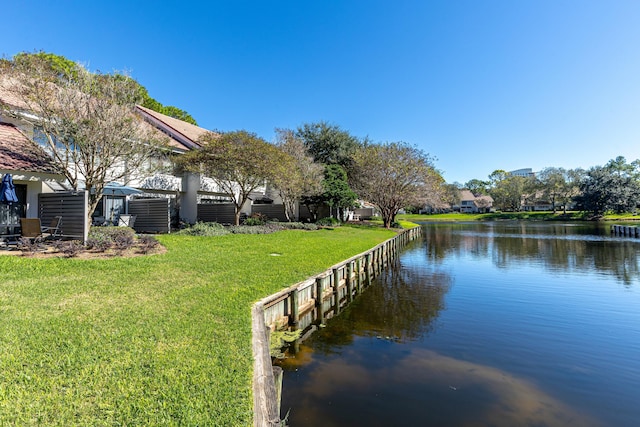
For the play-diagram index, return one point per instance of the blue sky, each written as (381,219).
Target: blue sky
(479,85)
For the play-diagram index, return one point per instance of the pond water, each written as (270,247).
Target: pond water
(501,324)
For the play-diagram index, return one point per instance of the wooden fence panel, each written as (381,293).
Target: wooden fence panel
(222,213)
(71,206)
(152,215)
(271,211)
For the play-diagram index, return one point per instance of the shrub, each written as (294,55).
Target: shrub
(328,222)
(27,245)
(205,229)
(103,238)
(147,243)
(254,229)
(253,222)
(98,242)
(256,219)
(69,248)
(298,226)
(124,238)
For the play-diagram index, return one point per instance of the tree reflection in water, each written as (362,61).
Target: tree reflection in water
(383,361)
(400,305)
(570,248)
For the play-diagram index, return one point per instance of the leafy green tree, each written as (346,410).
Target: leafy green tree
(508,191)
(64,68)
(299,177)
(179,114)
(613,187)
(57,65)
(85,120)
(337,193)
(239,162)
(560,185)
(328,144)
(451,193)
(395,175)
(478,187)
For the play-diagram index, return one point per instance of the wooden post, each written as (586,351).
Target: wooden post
(349,281)
(336,289)
(386,253)
(295,308)
(367,270)
(277,376)
(319,292)
(395,248)
(359,275)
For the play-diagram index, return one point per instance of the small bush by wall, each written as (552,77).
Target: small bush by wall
(205,229)
(104,238)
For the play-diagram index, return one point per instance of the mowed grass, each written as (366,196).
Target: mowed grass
(154,340)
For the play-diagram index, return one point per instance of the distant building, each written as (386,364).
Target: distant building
(526,173)
(469,203)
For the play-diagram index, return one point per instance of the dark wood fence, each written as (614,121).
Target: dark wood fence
(152,215)
(271,211)
(71,206)
(222,213)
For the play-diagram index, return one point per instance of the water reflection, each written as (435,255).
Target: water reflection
(560,248)
(482,324)
(400,307)
(436,390)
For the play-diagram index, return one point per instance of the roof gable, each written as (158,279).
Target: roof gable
(466,195)
(184,133)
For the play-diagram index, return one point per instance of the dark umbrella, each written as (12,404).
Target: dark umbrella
(8,190)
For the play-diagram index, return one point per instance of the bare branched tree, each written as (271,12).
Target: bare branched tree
(85,121)
(393,176)
(301,176)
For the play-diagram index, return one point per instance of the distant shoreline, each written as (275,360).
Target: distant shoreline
(523,216)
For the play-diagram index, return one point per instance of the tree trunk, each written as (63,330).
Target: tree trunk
(387,218)
(237,216)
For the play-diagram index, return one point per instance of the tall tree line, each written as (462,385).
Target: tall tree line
(614,187)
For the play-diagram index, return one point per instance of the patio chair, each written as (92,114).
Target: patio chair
(53,230)
(125,220)
(30,228)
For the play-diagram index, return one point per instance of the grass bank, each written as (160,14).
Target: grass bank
(158,340)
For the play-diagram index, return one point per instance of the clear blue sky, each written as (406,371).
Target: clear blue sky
(479,84)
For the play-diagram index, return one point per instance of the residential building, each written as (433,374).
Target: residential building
(34,174)
(469,203)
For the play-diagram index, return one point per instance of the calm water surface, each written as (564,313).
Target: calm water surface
(501,324)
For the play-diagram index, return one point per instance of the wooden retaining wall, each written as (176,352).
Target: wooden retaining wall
(312,301)
(625,230)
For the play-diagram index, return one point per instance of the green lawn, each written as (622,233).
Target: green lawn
(156,340)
